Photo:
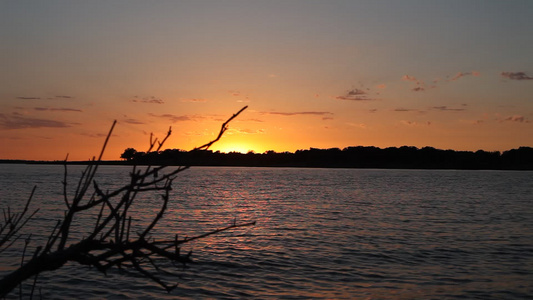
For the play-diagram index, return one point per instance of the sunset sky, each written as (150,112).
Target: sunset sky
(447,74)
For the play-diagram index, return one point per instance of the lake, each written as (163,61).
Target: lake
(320,233)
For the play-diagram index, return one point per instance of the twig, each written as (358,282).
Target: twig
(114,247)
(223,129)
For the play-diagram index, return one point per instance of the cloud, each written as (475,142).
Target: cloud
(445,108)
(20,122)
(149,100)
(29,98)
(195,133)
(516,118)
(413,123)
(172,117)
(248,131)
(315,113)
(57,109)
(461,74)
(133,121)
(420,85)
(409,78)
(244,97)
(355,95)
(234,93)
(405,109)
(516,76)
(359,125)
(194,100)
(49,98)
(253,120)
(356,92)
(93,135)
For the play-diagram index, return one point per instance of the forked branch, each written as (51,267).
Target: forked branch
(110,243)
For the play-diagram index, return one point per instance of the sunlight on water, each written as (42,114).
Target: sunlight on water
(320,233)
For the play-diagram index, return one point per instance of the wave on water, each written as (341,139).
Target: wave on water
(320,233)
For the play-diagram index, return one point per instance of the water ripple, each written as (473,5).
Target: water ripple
(320,234)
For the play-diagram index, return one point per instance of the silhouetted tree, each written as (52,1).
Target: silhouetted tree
(128,154)
(405,157)
(110,243)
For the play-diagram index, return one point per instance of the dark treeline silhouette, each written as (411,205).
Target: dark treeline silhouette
(351,157)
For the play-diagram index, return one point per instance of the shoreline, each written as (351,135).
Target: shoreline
(358,157)
(236,165)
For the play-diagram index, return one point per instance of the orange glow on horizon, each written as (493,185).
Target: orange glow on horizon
(227,146)
(301,89)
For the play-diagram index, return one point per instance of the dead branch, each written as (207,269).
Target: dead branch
(111,242)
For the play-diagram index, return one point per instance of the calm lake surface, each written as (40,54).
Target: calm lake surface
(320,233)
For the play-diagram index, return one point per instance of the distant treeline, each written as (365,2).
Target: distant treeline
(351,157)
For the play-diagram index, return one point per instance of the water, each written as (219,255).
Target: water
(320,233)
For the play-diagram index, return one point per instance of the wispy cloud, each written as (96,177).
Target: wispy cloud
(413,123)
(242,97)
(133,121)
(409,78)
(196,133)
(62,109)
(358,125)
(516,76)
(515,118)
(446,108)
(93,135)
(419,84)
(20,122)
(463,74)
(406,110)
(149,100)
(253,120)
(234,93)
(247,131)
(315,113)
(173,118)
(193,100)
(44,98)
(28,98)
(356,95)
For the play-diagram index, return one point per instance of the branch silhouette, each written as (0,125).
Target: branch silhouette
(112,241)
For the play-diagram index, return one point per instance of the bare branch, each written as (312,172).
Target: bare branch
(223,129)
(115,247)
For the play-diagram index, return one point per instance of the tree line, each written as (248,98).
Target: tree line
(405,157)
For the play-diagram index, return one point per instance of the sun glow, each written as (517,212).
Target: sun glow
(233,148)
(227,146)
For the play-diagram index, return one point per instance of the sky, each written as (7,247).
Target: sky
(323,74)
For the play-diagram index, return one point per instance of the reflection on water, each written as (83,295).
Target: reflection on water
(320,233)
